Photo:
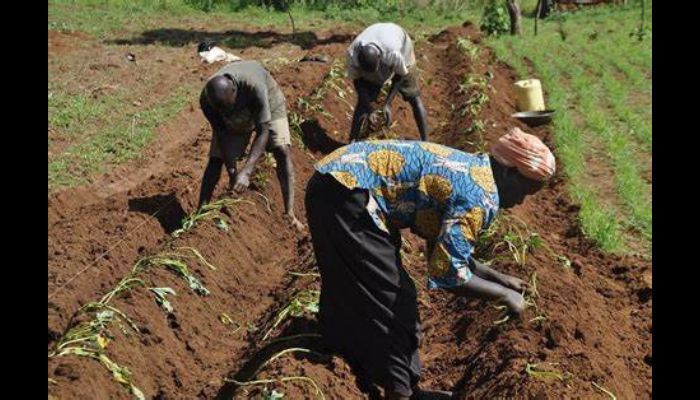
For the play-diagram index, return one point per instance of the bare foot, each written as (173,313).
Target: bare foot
(291,219)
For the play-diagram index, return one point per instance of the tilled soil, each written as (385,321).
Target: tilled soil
(594,309)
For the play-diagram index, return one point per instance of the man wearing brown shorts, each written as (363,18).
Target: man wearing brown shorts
(240,98)
(383,52)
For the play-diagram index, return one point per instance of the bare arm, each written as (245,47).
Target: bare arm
(262,135)
(285,174)
(362,109)
(212,172)
(484,289)
(395,85)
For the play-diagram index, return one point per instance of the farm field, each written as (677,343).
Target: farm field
(148,298)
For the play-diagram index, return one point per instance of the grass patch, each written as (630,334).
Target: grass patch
(591,78)
(119,141)
(104,18)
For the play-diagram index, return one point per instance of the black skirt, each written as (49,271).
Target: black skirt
(368,310)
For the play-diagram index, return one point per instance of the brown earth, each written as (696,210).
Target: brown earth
(598,309)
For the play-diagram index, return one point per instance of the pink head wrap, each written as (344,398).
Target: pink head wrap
(526,153)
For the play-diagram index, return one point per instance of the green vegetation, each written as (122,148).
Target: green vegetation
(305,302)
(90,333)
(598,78)
(110,135)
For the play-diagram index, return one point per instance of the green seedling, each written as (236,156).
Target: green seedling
(505,316)
(125,284)
(604,390)
(469,48)
(305,302)
(564,261)
(86,333)
(284,379)
(303,274)
(96,306)
(536,372)
(160,293)
(533,285)
(89,339)
(273,395)
(220,223)
(196,254)
(208,211)
(319,392)
(119,373)
(530,294)
(180,268)
(538,320)
(226,320)
(520,244)
(260,180)
(477,125)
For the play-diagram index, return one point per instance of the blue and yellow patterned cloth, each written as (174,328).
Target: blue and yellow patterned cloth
(444,195)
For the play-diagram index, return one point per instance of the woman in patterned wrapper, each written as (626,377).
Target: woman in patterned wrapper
(357,201)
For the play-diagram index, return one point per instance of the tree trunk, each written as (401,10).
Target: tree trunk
(544,8)
(538,11)
(514,13)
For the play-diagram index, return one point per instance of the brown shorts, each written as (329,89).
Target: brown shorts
(409,86)
(279,136)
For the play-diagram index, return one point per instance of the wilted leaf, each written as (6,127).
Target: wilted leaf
(221,224)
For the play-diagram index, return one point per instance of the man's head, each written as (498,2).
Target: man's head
(221,91)
(368,56)
(520,163)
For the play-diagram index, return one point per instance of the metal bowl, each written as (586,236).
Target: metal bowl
(534,118)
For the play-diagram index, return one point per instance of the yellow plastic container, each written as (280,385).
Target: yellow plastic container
(529,95)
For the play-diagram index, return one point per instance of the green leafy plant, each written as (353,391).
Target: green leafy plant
(272,395)
(604,390)
(305,302)
(260,180)
(530,295)
(284,379)
(177,266)
(519,240)
(160,293)
(469,48)
(89,339)
(537,372)
(495,20)
(209,211)
(477,126)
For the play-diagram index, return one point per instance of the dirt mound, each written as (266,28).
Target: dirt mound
(592,318)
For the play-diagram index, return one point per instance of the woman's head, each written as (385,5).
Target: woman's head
(521,163)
